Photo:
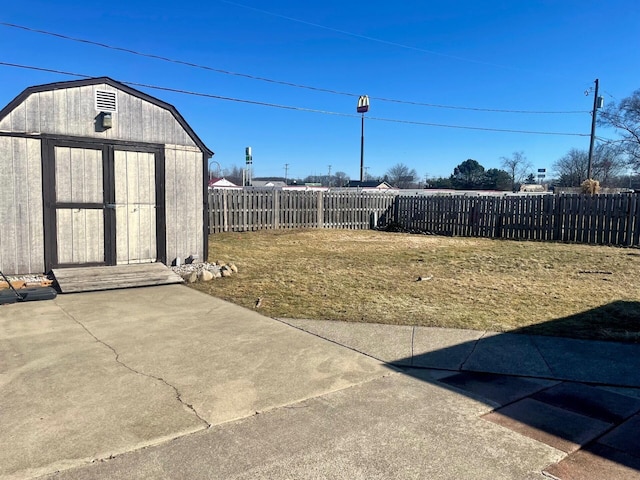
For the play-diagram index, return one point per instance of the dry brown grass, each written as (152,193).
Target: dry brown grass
(366,276)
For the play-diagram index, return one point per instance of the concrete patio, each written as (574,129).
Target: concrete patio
(167,382)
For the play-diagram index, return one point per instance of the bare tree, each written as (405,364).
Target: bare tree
(401,176)
(625,118)
(572,168)
(608,162)
(341,179)
(517,166)
(233,174)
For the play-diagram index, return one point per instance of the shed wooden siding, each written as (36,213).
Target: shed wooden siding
(21,225)
(184,202)
(158,210)
(71,112)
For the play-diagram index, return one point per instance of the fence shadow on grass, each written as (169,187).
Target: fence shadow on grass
(615,321)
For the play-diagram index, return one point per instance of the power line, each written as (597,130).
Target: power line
(374,39)
(270,80)
(486,129)
(295,108)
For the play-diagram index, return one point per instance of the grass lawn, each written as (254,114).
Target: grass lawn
(580,291)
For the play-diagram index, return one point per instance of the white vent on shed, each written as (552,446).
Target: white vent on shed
(106,101)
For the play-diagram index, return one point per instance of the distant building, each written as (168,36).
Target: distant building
(222,183)
(268,183)
(307,187)
(369,185)
(533,187)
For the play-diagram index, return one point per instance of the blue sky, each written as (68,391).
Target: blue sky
(511,55)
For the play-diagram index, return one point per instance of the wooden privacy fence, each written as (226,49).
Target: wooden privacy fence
(599,219)
(612,219)
(245,210)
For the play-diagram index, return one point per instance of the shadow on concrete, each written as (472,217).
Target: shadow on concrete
(579,396)
(557,390)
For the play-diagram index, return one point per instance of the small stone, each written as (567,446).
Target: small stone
(220,263)
(225,273)
(217,274)
(205,276)
(190,277)
(233,267)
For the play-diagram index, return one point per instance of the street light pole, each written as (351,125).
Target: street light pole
(363,107)
(219,169)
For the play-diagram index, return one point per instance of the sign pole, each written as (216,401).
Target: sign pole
(363,107)
(362,150)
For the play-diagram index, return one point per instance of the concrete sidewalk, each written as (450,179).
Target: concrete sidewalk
(166,382)
(596,362)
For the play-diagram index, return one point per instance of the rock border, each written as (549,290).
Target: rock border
(205,271)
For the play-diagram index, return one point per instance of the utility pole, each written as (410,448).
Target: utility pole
(286,172)
(597,102)
(329,177)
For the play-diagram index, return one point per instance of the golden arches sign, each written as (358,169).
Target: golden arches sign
(363,104)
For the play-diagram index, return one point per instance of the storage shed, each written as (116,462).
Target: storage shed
(93,172)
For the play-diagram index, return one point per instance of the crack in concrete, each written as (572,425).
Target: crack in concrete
(537,347)
(461,367)
(138,372)
(283,321)
(413,335)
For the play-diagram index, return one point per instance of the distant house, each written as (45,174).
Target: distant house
(533,188)
(268,183)
(222,183)
(369,185)
(307,187)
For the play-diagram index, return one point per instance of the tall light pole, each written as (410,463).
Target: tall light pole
(219,169)
(597,103)
(363,107)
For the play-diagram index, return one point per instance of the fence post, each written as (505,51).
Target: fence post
(631,203)
(497,212)
(396,209)
(320,210)
(276,209)
(557,213)
(225,212)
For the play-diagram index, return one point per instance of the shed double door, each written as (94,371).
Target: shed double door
(135,202)
(102,205)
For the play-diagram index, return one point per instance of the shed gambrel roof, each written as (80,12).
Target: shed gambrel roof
(115,84)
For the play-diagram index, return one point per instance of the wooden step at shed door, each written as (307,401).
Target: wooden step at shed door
(86,279)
